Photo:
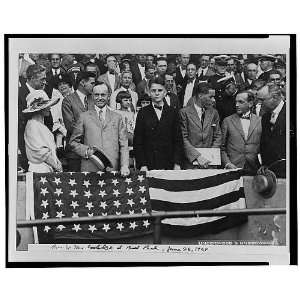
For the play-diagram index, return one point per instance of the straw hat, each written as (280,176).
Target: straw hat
(100,159)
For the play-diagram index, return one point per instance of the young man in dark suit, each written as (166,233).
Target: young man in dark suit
(171,99)
(157,141)
(273,138)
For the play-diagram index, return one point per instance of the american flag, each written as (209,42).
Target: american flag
(61,195)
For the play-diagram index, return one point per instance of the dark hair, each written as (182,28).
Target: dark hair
(202,89)
(169,73)
(250,95)
(258,84)
(191,63)
(83,75)
(50,55)
(147,67)
(100,83)
(63,79)
(157,80)
(162,58)
(122,95)
(33,70)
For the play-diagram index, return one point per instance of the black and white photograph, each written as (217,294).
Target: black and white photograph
(150,148)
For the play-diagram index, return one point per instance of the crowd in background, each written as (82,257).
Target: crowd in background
(168,106)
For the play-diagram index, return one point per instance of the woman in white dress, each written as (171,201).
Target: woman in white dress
(39,140)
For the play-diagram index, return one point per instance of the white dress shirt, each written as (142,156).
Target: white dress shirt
(158,111)
(81,97)
(182,71)
(276,112)
(245,124)
(57,71)
(168,100)
(204,71)
(111,80)
(142,70)
(103,109)
(188,92)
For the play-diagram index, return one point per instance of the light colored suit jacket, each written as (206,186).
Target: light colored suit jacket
(236,148)
(195,136)
(104,78)
(111,138)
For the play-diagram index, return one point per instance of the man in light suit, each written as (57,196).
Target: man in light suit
(200,127)
(72,106)
(241,134)
(110,78)
(104,129)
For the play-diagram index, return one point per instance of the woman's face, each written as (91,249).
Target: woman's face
(65,89)
(125,103)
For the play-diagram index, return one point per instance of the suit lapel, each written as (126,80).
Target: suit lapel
(194,115)
(107,117)
(253,123)
(280,118)
(95,116)
(79,103)
(207,118)
(237,123)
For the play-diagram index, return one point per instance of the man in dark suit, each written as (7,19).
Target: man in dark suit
(137,68)
(200,127)
(72,106)
(184,59)
(157,140)
(36,80)
(273,138)
(171,99)
(251,74)
(204,71)
(143,87)
(241,134)
(266,65)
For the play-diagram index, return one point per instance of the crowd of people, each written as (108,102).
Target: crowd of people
(151,111)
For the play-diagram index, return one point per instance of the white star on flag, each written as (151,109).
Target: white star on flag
(140,178)
(86,183)
(102,193)
(90,215)
(117,203)
(106,227)
(100,173)
(57,180)
(120,226)
(88,194)
(75,215)
(59,214)
(89,205)
(92,228)
(73,193)
(130,202)
(129,191)
(60,227)
(115,182)
(104,214)
(116,193)
(133,225)
(128,180)
(114,172)
(76,227)
(74,204)
(58,192)
(43,180)
(118,213)
(44,191)
(58,202)
(146,223)
(45,215)
(47,228)
(131,212)
(103,204)
(144,211)
(45,203)
(72,182)
(142,189)
(101,183)
(85,173)
(143,200)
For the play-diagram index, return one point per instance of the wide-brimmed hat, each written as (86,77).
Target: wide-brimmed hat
(100,159)
(265,183)
(38,100)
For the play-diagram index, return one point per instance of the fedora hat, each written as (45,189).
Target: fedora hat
(100,159)
(38,100)
(265,182)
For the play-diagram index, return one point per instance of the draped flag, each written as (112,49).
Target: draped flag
(61,195)
(189,190)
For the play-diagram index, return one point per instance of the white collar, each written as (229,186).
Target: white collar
(278,108)
(81,95)
(31,89)
(103,110)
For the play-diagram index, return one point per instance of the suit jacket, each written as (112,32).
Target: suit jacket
(237,149)
(182,92)
(197,136)
(136,73)
(179,79)
(51,81)
(72,107)
(273,142)
(104,78)
(265,75)
(110,137)
(142,88)
(157,143)
(225,106)
(208,74)
(174,101)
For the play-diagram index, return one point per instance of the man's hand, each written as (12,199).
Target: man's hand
(176,167)
(125,171)
(90,152)
(58,167)
(230,166)
(144,168)
(203,162)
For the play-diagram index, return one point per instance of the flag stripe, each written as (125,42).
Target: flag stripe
(193,184)
(204,204)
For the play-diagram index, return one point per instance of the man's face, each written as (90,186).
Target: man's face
(157,92)
(149,60)
(267,100)
(204,61)
(55,61)
(265,65)
(145,103)
(34,56)
(161,67)
(221,69)
(111,62)
(100,95)
(150,73)
(185,58)
(142,58)
(205,100)
(126,80)
(64,89)
(275,78)
(231,66)
(39,81)
(212,64)
(241,104)
(169,81)
(126,102)
(191,71)
(252,71)
(89,85)
(230,89)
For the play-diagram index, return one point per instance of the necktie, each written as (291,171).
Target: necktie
(158,107)
(101,116)
(247,117)
(273,120)
(85,103)
(55,72)
(202,117)
(202,74)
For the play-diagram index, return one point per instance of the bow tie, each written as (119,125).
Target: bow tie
(158,107)
(168,93)
(190,80)
(245,117)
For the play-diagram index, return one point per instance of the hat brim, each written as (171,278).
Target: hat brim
(50,103)
(270,192)
(100,160)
